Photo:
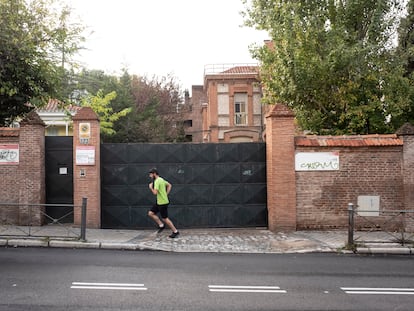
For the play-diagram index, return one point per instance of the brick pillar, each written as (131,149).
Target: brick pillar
(406,133)
(31,172)
(86,166)
(280,164)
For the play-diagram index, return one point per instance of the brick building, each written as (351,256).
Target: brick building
(193,118)
(227,108)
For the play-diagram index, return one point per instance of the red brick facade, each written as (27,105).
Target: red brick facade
(323,196)
(24,183)
(280,152)
(370,165)
(87,177)
(232,111)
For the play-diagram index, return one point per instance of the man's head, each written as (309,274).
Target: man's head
(153,172)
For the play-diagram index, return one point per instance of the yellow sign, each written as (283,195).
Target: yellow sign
(84,130)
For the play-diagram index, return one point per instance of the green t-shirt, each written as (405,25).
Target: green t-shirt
(161,186)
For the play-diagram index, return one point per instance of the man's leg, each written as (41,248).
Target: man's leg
(167,221)
(154,217)
(170,224)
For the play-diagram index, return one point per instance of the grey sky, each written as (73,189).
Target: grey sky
(158,37)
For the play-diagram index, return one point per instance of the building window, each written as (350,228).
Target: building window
(240,109)
(52,131)
(188,123)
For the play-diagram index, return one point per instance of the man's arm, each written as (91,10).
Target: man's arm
(151,187)
(169,187)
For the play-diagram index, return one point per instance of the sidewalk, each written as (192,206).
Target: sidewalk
(249,240)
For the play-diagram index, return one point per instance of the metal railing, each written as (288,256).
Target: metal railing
(38,223)
(393,225)
(214,69)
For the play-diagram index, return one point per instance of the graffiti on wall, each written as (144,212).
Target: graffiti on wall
(317,161)
(9,154)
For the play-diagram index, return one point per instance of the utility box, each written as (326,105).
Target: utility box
(368,205)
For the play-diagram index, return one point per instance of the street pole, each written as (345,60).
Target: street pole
(350,225)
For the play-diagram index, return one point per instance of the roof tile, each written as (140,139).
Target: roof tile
(55,105)
(348,141)
(242,70)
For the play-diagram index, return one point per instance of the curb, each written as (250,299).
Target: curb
(16,242)
(27,243)
(74,244)
(385,250)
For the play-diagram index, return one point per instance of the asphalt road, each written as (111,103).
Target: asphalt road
(66,279)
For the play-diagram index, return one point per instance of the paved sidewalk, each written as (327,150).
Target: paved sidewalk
(250,240)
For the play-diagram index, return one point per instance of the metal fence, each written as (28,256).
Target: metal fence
(38,220)
(394,226)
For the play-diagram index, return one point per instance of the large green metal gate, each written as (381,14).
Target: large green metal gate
(214,185)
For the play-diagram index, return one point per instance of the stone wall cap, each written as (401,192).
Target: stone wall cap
(280,110)
(32,118)
(348,140)
(405,130)
(9,132)
(85,113)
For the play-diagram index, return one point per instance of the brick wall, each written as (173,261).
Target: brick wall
(323,196)
(25,182)
(369,165)
(373,165)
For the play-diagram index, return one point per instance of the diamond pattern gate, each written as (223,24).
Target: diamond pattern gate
(214,185)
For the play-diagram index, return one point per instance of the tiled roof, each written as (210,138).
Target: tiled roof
(242,70)
(56,106)
(348,141)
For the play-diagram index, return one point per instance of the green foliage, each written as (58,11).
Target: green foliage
(333,63)
(101,105)
(30,33)
(152,104)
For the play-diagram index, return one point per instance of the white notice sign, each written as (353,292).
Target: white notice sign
(9,154)
(85,155)
(317,161)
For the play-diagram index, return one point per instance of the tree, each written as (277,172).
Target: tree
(101,105)
(333,63)
(157,113)
(406,53)
(153,103)
(30,33)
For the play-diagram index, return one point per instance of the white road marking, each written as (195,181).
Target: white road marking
(106,284)
(377,291)
(246,289)
(112,286)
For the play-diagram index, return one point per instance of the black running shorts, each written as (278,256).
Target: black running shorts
(162,209)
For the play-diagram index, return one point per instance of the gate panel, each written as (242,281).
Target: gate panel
(59,175)
(214,185)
